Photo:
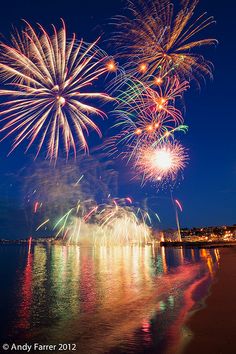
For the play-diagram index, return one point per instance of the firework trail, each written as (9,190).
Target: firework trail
(48,92)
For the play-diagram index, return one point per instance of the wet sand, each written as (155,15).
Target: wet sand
(214,327)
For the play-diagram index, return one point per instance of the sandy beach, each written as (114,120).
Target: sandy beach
(214,326)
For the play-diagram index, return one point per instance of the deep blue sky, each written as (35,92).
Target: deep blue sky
(209,188)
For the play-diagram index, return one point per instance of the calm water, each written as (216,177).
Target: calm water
(106,300)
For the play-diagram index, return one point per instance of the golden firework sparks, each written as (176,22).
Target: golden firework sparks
(158,40)
(161,163)
(47,95)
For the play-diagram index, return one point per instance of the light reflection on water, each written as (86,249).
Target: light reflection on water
(107,300)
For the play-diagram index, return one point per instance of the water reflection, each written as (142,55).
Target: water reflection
(108,300)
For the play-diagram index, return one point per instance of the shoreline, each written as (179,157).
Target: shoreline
(187,332)
(198,244)
(211,328)
(166,244)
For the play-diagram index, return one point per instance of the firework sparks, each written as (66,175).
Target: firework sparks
(162,100)
(106,224)
(111,66)
(157,40)
(146,116)
(48,96)
(120,224)
(161,163)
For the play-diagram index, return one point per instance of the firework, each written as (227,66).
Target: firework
(157,40)
(146,115)
(121,224)
(162,99)
(48,96)
(123,230)
(114,223)
(161,163)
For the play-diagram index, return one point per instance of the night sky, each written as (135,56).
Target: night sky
(209,186)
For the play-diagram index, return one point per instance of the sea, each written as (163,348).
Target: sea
(97,300)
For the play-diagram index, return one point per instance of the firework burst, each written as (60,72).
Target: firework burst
(157,40)
(48,96)
(162,98)
(146,115)
(161,163)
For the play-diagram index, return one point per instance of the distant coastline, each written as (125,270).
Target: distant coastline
(200,244)
(26,241)
(187,244)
